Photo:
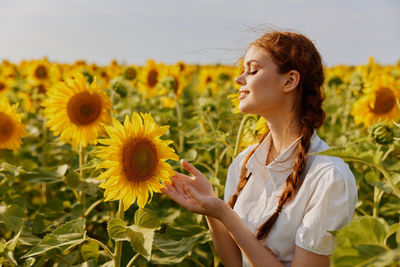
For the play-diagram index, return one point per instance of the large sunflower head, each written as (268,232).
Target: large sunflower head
(379,102)
(11,127)
(135,158)
(77,111)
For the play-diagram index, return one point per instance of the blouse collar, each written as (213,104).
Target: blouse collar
(278,171)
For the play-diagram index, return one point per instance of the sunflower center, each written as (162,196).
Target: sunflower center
(175,84)
(41,72)
(209,79)
(139,159)
(6,126)
(130,73)
(181,66)
(2,86)
(152,78)
(385,100)
(84,108)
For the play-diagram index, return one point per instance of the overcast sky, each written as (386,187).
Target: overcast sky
(195,31)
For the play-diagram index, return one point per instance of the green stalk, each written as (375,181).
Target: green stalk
(179,115)
(376,202)
(132,260)
(118,244)
(106,249)
(240,133)
(93,206)
(81,163)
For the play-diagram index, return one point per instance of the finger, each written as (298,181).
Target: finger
(188,203)
(192,193)
(190,168)
(178,185)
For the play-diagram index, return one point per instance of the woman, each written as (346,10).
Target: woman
(280,200)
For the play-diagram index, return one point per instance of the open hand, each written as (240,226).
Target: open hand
(193,193)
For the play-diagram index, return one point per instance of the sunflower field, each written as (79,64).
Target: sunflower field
(85,149)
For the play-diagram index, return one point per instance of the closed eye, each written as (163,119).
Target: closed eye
(253,72)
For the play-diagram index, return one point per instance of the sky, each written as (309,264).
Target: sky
(201,31)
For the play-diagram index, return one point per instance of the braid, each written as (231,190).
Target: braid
(243,178)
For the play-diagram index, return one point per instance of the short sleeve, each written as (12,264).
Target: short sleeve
(331,207)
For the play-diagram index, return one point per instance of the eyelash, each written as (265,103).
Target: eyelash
(251,73)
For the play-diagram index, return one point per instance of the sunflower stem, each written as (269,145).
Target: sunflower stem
(81,163)
(93,206)
(179,115)
(118,244)
(106,249)
(240,133)
(132,260)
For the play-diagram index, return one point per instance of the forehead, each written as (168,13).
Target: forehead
(256,53)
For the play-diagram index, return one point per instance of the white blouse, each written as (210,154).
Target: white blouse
(325,201)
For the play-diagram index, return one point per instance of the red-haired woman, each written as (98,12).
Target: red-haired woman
(280,201)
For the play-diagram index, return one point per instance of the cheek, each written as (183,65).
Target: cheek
(267,90)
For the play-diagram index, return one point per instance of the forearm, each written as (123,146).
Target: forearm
(226,248)
(255,252)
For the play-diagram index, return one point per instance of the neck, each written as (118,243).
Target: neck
(282,140)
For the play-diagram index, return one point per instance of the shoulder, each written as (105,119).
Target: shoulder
(326,171)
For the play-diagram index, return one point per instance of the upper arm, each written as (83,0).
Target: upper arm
(304,257)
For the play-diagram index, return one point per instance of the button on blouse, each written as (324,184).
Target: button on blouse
(325,201)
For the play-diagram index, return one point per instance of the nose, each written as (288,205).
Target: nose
(240,80)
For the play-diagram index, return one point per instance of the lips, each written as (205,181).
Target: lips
(243,93)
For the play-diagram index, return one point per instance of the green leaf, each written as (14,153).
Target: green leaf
(393,229)
(146,218)
(176,243)
(73,180)
(90,250)
(63,237)
(360,241)
(141,238)
(13,217)
(363,151)
(116,228)
(29,262)
(90,186)
(14,241)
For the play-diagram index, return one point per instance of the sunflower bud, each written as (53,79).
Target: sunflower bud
(382,134)
(129,73)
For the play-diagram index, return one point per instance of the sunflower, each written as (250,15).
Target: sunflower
(135,159)
(173,82)
(208,76)
(11,128)
(252,135)
(41,74)
(5,84)
(149,78)
(77,111)
(379,104)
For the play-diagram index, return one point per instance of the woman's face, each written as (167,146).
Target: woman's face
(261,84)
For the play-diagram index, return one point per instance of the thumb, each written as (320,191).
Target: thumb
(190,168)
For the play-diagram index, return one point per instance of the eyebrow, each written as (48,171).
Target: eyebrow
(250,61)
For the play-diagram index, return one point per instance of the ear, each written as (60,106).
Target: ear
(290,81)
